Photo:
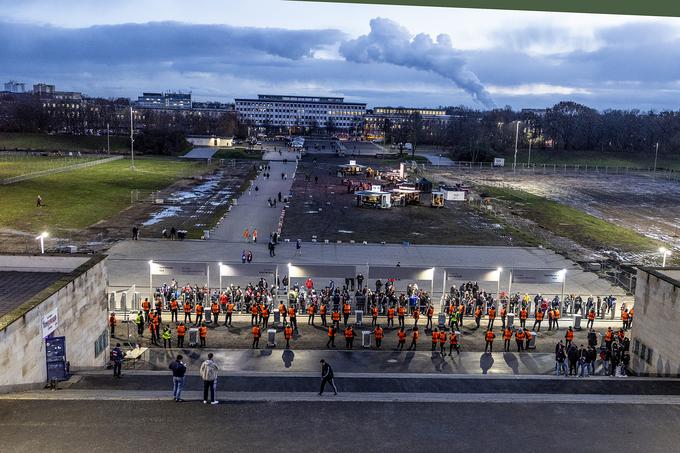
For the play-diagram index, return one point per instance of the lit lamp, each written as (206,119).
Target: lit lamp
(42,237)
(665,252)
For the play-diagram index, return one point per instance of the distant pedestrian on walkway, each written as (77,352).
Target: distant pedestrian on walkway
(179,369)
(254,235)
(209,371)
(246,235)
(39,202)
(327,377)
(298,247)
(117,359)
(135,233)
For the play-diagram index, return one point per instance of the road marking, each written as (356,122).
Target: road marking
(482,398)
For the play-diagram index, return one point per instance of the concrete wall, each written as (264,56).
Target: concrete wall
(82,312)
(655,325)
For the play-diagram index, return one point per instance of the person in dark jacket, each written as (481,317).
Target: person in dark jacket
(572,357)
(179,369)
(117,357)
(327,377)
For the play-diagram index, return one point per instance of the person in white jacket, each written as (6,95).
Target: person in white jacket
(209,372)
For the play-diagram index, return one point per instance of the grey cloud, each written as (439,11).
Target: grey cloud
(388,42)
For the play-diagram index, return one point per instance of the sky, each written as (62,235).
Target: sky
(378,54)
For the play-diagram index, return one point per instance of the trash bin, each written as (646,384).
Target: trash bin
(532,340)
(511,320)
(271,337)
(365,338)
(277,318)
(613,311)
(358,317)
(193,337)
(577,321)
(208,316)
(441,320)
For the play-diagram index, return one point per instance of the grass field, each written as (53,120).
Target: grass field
(572,223)
(15,165)
(593,158)
(11,141)
(237,153)
(80,198)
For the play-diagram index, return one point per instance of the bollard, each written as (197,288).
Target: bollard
(613,311)
(532,340)
(577,321)
(271,337)
(441,321)
(366,338)
(358,317)
(277,318)
(511,320)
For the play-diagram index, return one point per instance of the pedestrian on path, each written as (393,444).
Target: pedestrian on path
(112,324)
(179,369)
(209,372)
(167,337)
(414,339)
(246,235)
(254,235)
(298,247)
(327,377)
(117,359)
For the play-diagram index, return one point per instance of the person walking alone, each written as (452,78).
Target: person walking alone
(179,369)
(327,377)
(117,359)
(209,371)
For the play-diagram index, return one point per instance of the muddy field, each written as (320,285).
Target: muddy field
(324,209)
(640,202)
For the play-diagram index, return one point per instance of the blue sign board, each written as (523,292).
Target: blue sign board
(55,352)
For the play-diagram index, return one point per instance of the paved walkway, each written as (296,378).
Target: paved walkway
(200,153)
(435,159)
(252,210)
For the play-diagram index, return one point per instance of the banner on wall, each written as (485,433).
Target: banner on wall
(538,275)
(50,321)
(183,269)
(472,275)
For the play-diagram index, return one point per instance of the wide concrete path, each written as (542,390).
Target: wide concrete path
(252,210)
(200,153)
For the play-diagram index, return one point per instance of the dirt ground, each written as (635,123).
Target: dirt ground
(637,201)
(324,209)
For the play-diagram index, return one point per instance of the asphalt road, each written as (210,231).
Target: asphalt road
(103,426)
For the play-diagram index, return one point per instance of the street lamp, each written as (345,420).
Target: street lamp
(514,164)
(41,238)
(665,253)
(498,285)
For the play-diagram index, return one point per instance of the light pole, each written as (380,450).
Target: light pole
(514,163)
(108,143)
(656,154)
(529,159)
(42,237)
(132,142)
(665,252)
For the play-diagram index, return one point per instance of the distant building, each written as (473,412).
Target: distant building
(43,89)
(15,87)
(375,119)
(168,101)
(537,112)
(210,140)
(300,111)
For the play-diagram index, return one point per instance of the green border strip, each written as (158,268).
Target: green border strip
(19,312)
(626,7)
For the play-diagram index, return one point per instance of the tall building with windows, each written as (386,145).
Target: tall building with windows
(15,87)
(377,119)
(300,111)
(168,100)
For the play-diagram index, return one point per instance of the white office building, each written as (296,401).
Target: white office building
(300,111)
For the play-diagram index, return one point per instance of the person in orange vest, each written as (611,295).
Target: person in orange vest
(146,308)
(454,343)
(174,307)
(608,338)
(401,313)
(624,319)
(520,335)
(331,336)
(346,309)
(311,312)
(159,306)
(459,316)
(523,318)
(215,310)
(416,316)
(507,336)
(551,318)
(254,314)
(264,313)
(379,333)
(556,319)
(112,324)
(322,313)
(181,331)
(488,337)
(349,337)
(429,313)
(569,337)
(478,316)
(451,311)
(187,312)
(292,316)
(442,341)
(435,338)
(390,317)
(230,311)
(199,314)
(402,339)
(374,316)
(528,335)
(504,315)
(538,318)
(203,334)
(591,319)
(223,300)
(621,334)
(335,317)
(492,317)
(153,329)
(246,235)
(256,336)
(288,334)
(414,338)
(283,312)
(255,235)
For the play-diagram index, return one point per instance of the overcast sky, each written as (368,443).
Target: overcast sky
(382,55)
